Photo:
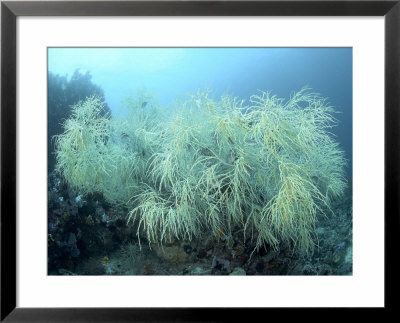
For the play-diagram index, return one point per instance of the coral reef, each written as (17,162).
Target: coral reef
(107,245)
(265,168)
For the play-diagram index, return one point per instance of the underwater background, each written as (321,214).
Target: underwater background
(90,236)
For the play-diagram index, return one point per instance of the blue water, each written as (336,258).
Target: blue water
(169,73)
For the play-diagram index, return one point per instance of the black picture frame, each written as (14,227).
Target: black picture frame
(10,10)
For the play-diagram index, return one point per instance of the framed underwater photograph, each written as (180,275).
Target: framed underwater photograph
(181,155)
(175,161)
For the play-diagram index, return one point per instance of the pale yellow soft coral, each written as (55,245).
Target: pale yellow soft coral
(268,167)
(81,151)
